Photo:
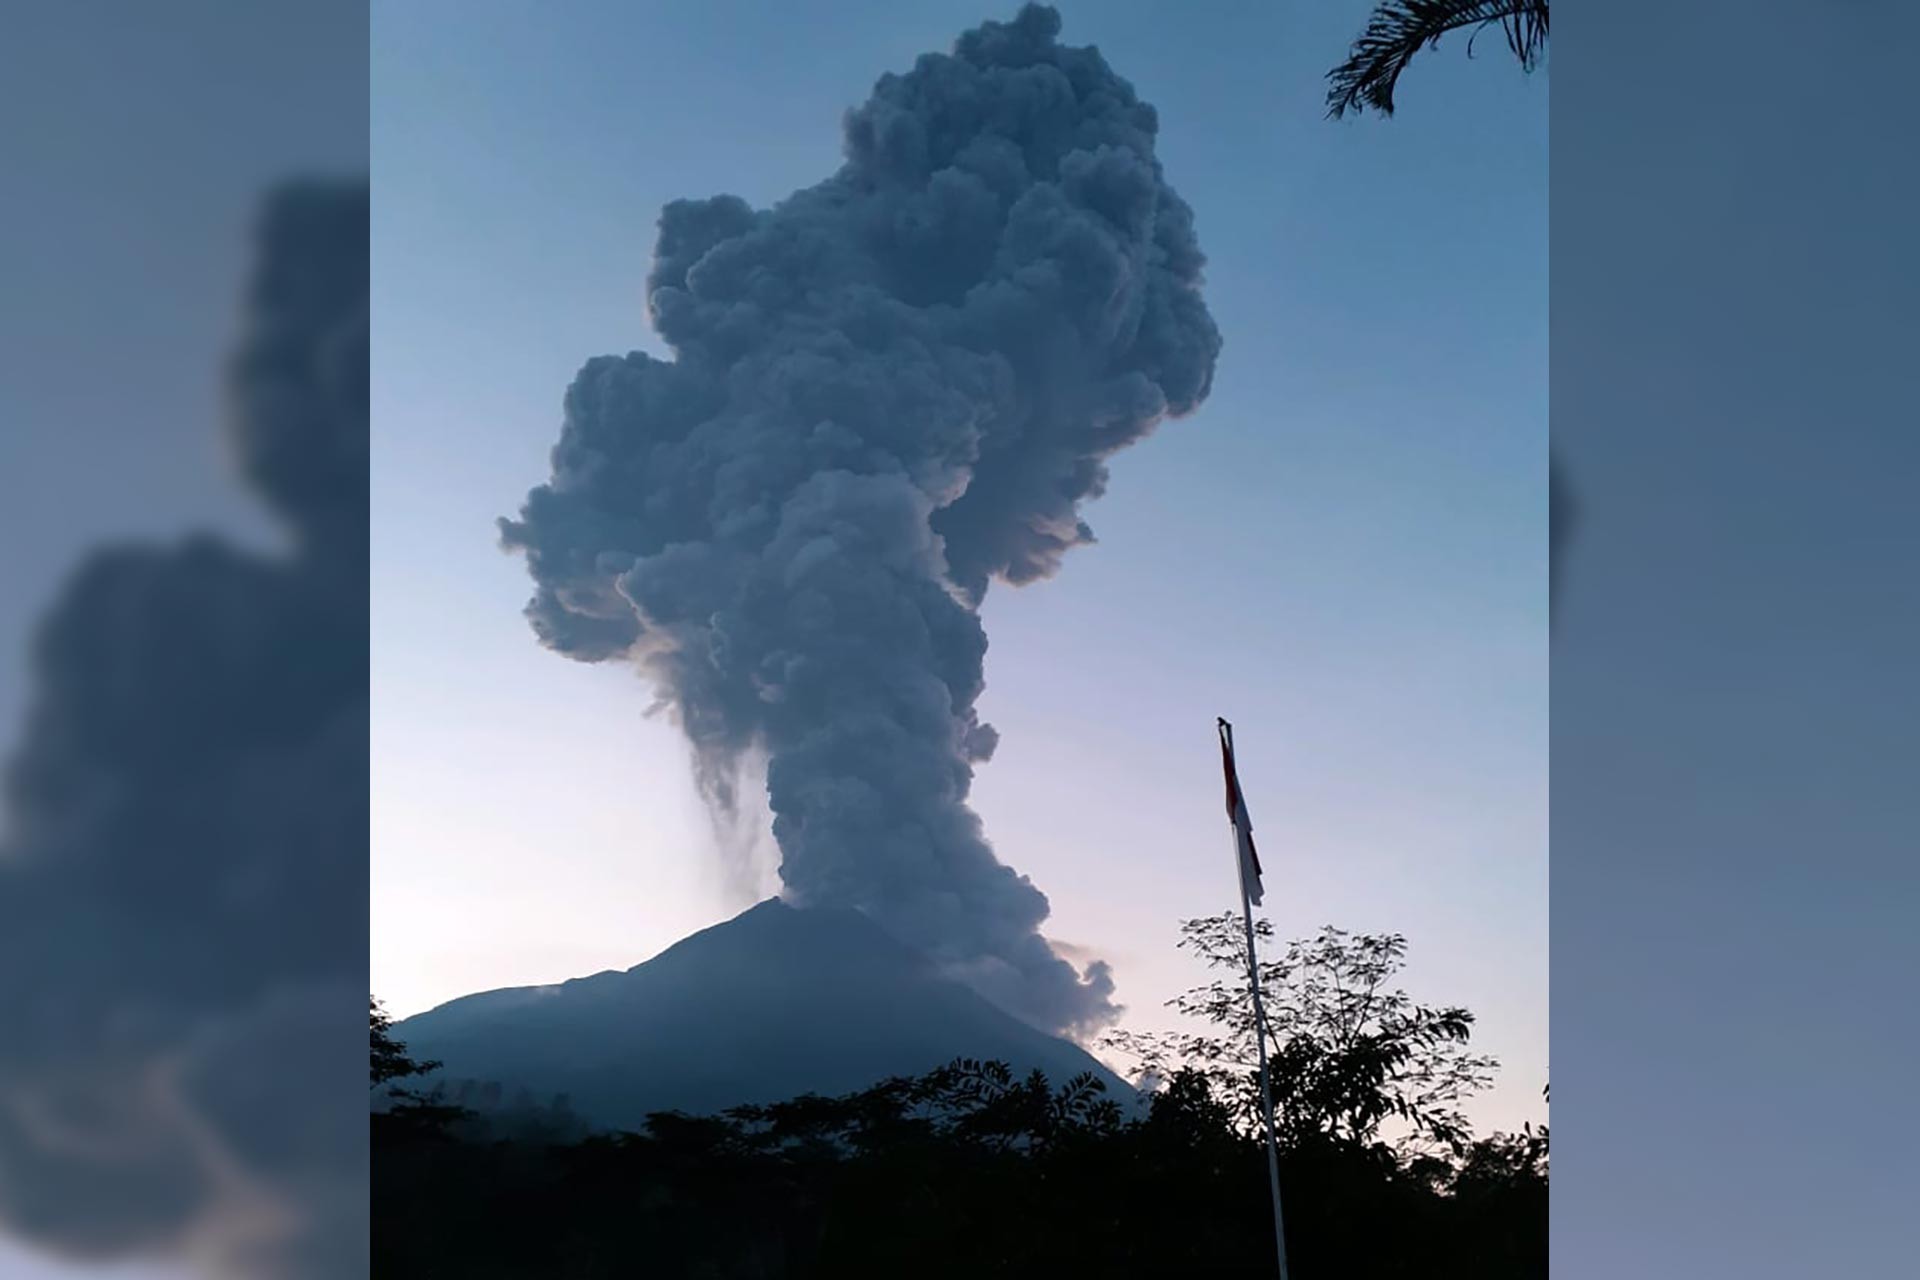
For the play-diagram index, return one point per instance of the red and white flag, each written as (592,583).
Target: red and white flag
(1242,823)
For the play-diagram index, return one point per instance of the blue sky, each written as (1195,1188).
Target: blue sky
(1344,551)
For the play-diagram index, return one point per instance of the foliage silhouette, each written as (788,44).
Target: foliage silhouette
(390,1060)
(1399,29)
(973,1170)
(1348,1052)
(399,1107)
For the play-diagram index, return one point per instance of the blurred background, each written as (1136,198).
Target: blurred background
(182,628)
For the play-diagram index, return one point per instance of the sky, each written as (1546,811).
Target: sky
(1344,551)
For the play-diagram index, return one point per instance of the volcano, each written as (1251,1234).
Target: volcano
(774,1003)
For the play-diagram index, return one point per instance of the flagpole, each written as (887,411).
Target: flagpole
(1260,1038)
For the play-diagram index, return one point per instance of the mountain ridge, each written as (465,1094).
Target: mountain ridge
(776,1002)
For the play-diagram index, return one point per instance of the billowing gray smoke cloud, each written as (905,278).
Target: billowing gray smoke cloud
(183,873)
(887,391)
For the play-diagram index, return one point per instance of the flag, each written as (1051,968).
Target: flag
(1242,823)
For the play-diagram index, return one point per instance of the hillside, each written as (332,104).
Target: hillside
(773,1003)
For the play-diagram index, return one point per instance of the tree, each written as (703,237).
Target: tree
(969,1170)
(1399,29)
(407,1110)
(390,1060)
(1348,1052)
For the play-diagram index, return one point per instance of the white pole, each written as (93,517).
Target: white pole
(1260,1038)
(1266,1090)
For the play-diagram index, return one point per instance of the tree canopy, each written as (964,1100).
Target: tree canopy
(973,1170)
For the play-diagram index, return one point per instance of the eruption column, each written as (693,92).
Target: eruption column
(887,391)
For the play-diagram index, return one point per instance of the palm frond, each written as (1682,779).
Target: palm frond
(1399,29)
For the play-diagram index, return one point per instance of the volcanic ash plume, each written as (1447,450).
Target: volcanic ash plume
(887,391)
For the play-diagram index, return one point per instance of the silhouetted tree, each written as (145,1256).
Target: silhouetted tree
(403,1108)
(1399,29)
(973,1170)
(1348,1050)
(390,1060)
(967,1171)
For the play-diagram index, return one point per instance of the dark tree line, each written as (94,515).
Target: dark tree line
(971,1170)
(401,1111)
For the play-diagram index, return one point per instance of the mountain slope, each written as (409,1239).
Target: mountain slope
(769,1005)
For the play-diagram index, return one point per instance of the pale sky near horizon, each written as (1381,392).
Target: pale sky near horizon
(1344,551)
